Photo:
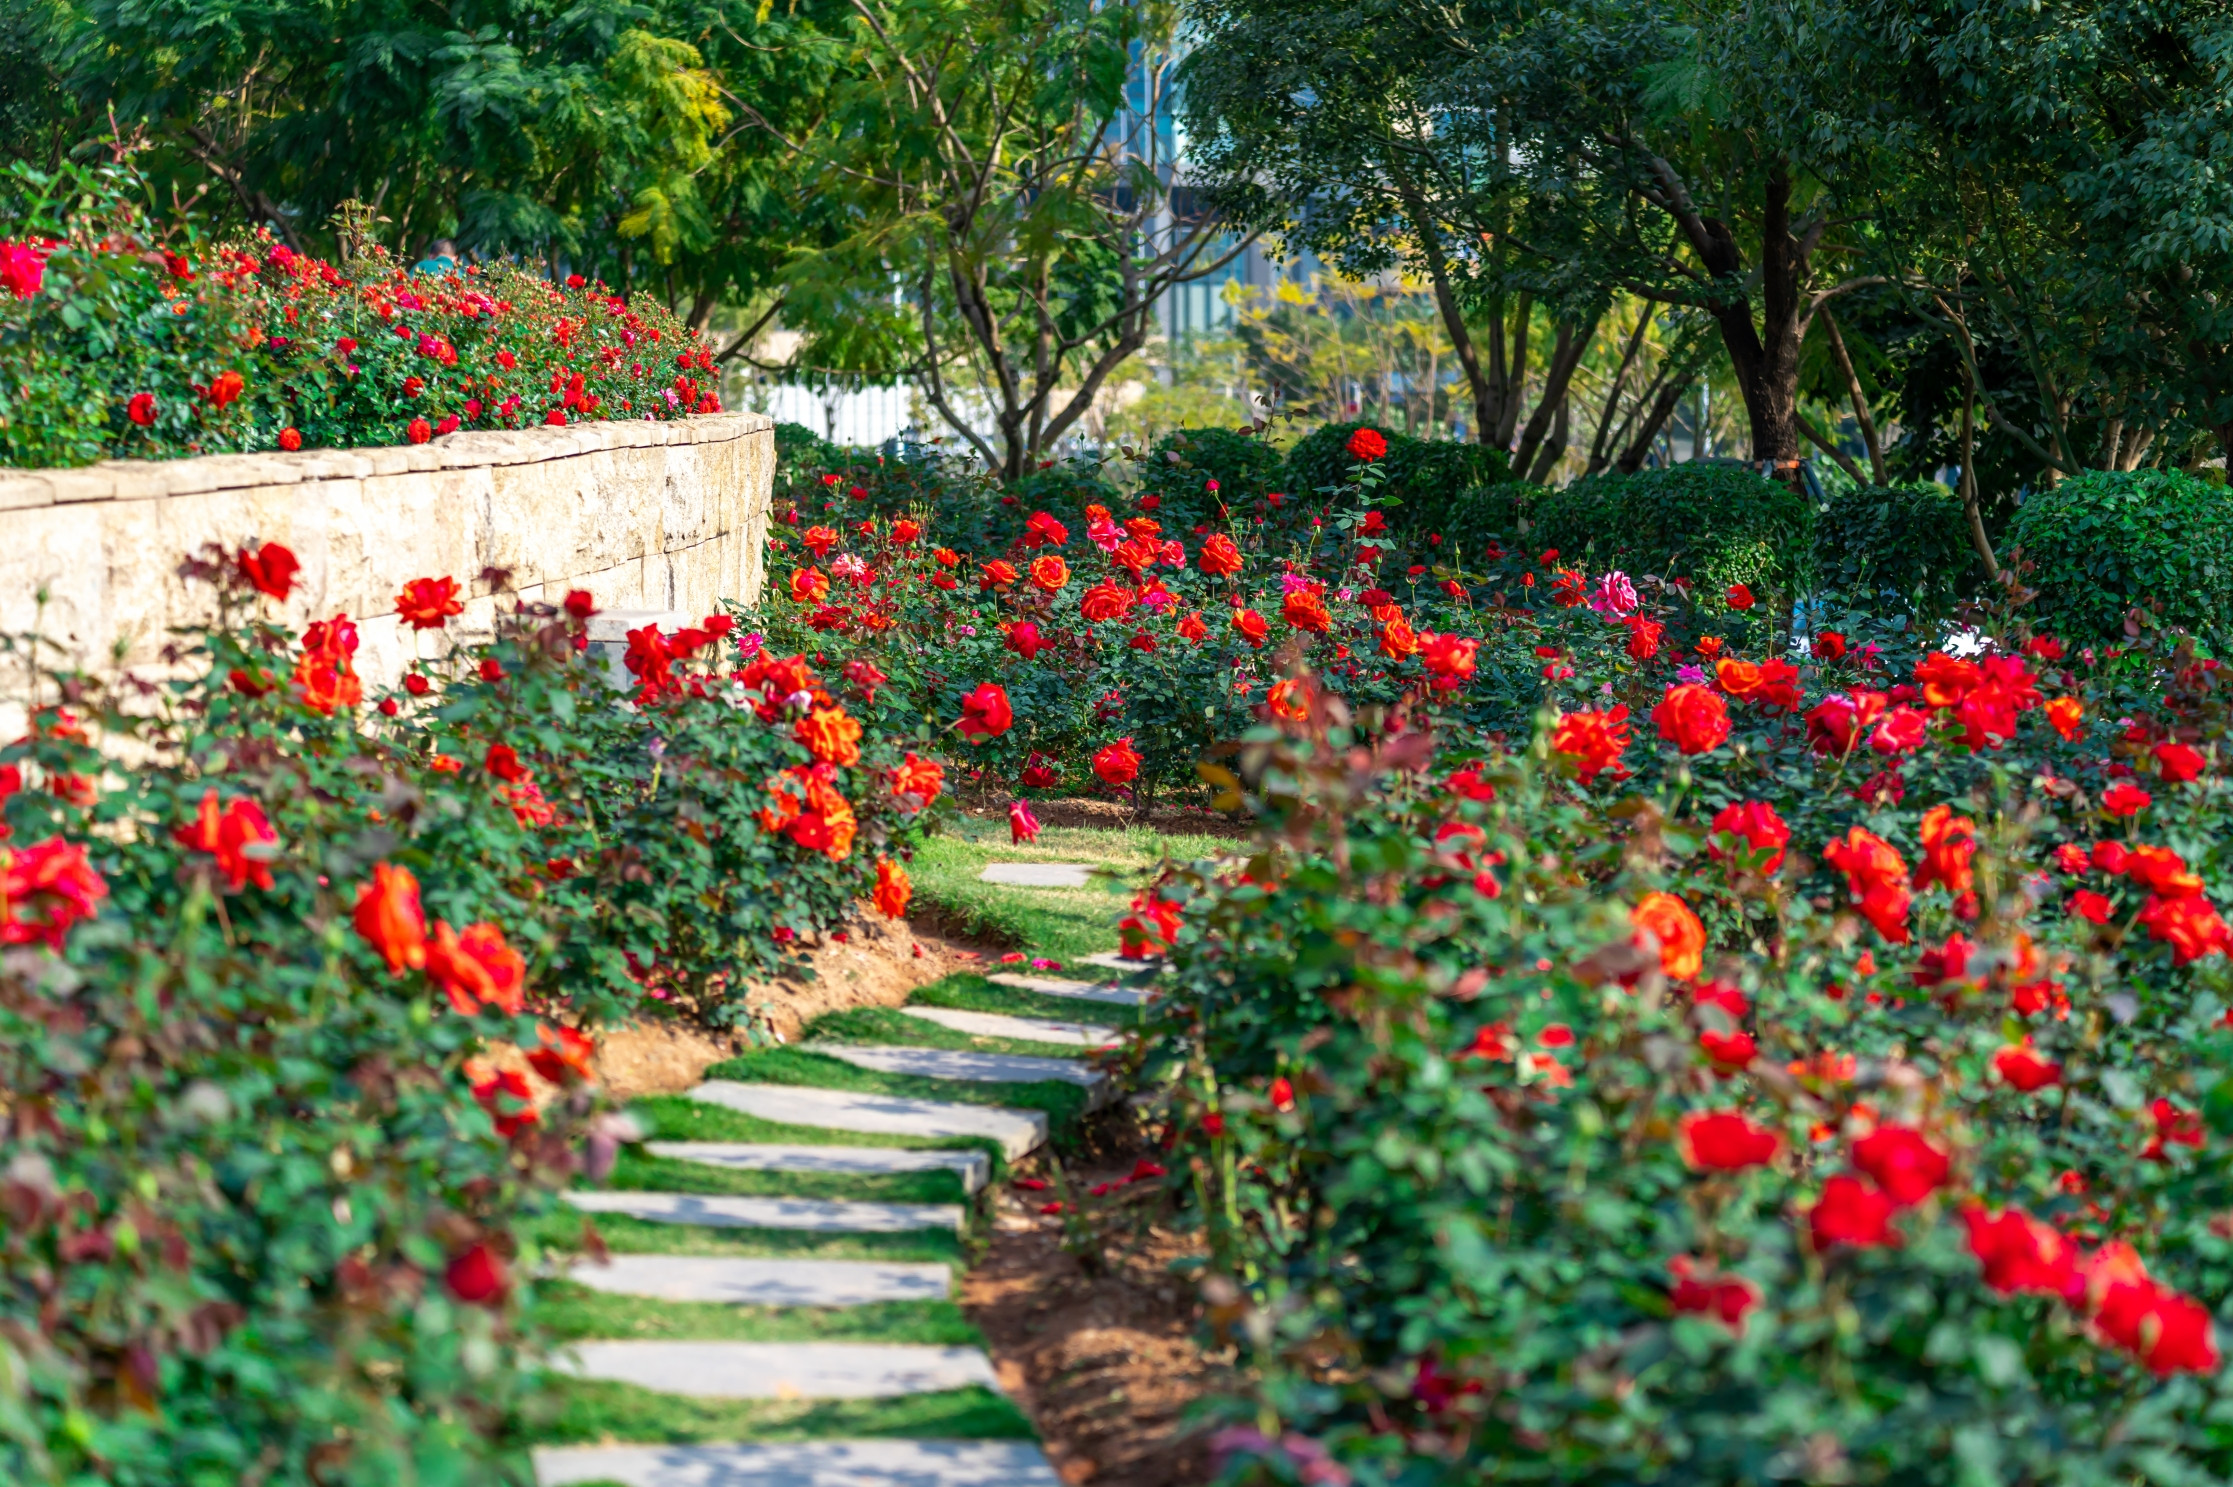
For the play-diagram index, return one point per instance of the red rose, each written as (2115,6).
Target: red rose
(1250,626)
(2177,763)
(426,603)
(388,915)
(1692,718)
(985,713)
(1725,1299)
(2021,1068)
(1755,824)
(1851,1212)
(476,968)
(141,410)
(1595,741)
(290,439)
(1739,597)
(419,432)
(1117,763)
(240,837)
(476,1276)
(224,388)
(1905,1165)
(1220,558)
(1725,1141)
(269,569)
(2124,800)
(2020,1254)
(1367,444)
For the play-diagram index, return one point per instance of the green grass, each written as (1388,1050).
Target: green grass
(889,1027)
(574,1312)
(970,992)
(638,1172)
(680,1118)
(1063,1102)
(1064,923)
(562,1231)
(586,1412)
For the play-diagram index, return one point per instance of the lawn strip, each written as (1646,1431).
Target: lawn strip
(573,1312)
(589,1412)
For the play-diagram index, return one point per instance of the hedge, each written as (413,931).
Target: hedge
(1713,523)
(1899,549)
(2105,542)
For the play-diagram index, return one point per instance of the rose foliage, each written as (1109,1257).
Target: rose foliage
(299,992)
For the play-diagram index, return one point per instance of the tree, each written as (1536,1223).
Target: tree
(1007,167)
(1325,125)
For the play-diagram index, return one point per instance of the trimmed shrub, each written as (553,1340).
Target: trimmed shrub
(1716,524)
(1463,493)
(2106,541)
(1184,461)
(1896,548)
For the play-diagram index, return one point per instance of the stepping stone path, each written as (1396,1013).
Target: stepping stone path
(1038,874)
(1021,1029)
(1017,1131)
(821,1216)
(784,1370)
(973,1167)
(806,1371)
(1116,996)
(803,1464)
(764,1282)
(961,1063)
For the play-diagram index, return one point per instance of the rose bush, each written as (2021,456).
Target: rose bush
(122,338)
(1830,1082)
(298,1010)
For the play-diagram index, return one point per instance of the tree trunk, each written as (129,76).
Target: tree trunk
(1566,354)
(1446,300)
(1662,408)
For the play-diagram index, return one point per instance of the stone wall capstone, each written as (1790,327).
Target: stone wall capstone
(644,515)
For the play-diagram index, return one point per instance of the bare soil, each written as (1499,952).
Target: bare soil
(1105,1363)
(1110,815)
(877,965)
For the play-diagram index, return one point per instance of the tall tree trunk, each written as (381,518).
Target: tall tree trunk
(1655,418)
(1566,354)
(1765,356)
(1446,300)
(1554,447)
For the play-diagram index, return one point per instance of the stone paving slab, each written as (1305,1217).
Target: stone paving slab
(728,1212)
(1022,1029)
(1084,991)
(781,1370)
(802,1464)
(958,1063)
(1017,1131)
(973,1167)
(1038,874)
(764,1282)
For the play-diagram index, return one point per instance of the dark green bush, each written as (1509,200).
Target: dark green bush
(2106,541)
(1899,548)
(1463,494)
(1184,461)
(1416,470)
(1715,524)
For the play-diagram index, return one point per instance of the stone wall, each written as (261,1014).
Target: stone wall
(654,516)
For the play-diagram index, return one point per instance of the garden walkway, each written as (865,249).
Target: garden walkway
(777,1308)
